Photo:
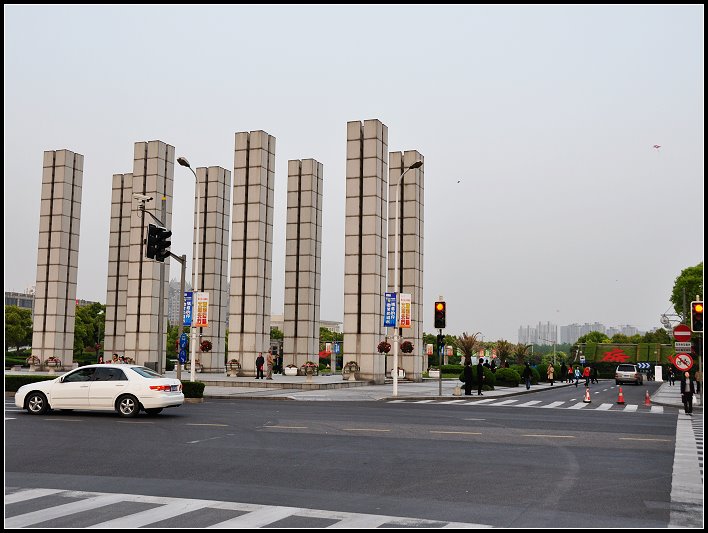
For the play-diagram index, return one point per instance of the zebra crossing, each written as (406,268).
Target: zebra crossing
(571,404)
(55,508)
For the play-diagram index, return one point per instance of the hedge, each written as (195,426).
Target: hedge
(535,376)
(14,382)
(193,389)
(507,377)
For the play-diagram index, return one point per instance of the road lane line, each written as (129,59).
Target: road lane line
(552,436)
(455,432)
(286,427)
(364,429)
(216,425)
(63,420)
(643,438)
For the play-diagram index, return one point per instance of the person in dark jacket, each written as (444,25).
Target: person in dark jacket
(259,366)
(563,373)
(468,378)
(527,376)
(480,377)
(687,392)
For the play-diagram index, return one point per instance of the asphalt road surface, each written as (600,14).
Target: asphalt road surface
(254,463)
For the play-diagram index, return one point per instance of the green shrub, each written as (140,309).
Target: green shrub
(193,389)
(535,376)
(507,377)
(489,379)
(14,382)
(451,369)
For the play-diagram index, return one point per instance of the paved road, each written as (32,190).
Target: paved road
(316,464)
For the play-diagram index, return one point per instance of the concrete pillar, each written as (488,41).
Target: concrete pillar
(57,256)
(301,319)
(251,248)
(365,246)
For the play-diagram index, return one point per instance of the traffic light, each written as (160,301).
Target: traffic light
(439,315)
(697,316)
(158,243)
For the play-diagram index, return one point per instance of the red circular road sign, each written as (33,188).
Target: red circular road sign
(682,333)
(683,361)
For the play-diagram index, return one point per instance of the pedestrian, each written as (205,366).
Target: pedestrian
(259,365)
(570,373)
(687,392)
(576,375)
(670,375)
(594,374)
(115,360)
(549,373)
(699,378)
(563,373)
(506,364)
(269,364)
(486,363)
(100,360)
(480,377)
(527,375)
(586,375)
(468,377)
(493,368)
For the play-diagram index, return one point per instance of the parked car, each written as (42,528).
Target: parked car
(124,388)
(628,372)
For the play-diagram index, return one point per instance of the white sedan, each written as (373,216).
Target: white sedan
(124,388)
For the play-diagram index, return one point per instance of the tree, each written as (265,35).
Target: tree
(18,327)
(89,326)
(594,336)
(659,336)
(691,279)
(468,345)
(520,352)
(504,349)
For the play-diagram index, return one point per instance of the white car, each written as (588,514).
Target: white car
(124,388)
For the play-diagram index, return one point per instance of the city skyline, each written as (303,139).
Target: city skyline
(545,194)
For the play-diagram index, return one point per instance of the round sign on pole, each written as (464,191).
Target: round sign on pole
(683,362)
(682,333)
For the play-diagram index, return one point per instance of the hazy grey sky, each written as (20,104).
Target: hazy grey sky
(546,115)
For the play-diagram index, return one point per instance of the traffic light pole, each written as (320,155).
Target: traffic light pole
(440,344)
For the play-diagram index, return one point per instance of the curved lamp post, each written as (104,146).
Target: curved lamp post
(193,352)
(396,339)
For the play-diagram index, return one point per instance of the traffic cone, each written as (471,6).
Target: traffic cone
(620,398)
(587,395)
(647,400)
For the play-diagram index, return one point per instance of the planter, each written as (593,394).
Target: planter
(401,373)
(434,373)
(232,372)
(289,371)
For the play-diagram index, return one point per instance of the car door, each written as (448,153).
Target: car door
(72,391)
(107,385)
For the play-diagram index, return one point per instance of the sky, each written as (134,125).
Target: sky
(545,199)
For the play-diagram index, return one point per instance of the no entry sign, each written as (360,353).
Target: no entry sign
(682,333)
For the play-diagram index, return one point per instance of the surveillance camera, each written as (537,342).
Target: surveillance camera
(142,197)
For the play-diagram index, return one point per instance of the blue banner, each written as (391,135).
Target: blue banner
(187,321)
(336,347)
(183,341)
(182,356)
(390,310)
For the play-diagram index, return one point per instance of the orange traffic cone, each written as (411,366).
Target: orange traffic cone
(647,400)
(620,398)
(587,395)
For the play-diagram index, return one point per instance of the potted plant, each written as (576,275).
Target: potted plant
(33,362)
(233,367)
(205,346)
(407,347)
(290,370)
(401,372)
(433,372)
(309,368)
(384,347)
(197,365)
(52,362)
(351,370)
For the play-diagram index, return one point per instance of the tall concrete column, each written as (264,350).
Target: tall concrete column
(214,216)
(301,318)
(251,248)
(57,256)
(153,175)
(410,253)
(118,261)
(365,246)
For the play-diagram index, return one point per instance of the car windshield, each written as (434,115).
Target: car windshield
(145,372)
(625,368)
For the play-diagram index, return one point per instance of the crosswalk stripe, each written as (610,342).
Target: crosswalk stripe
(156,514)
(452,401)
(552,404)
(396,401)
(528,404)
(579,406)
(424,401)
(657,408)
(604,407)
(630,408)
(505,402)
(30,494)
(35,517)
(485,400)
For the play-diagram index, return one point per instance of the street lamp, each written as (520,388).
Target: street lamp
(193,352)
(416,164)
(554,349)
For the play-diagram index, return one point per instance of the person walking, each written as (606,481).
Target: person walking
(594,374)
(586,375)
(670,375)
(480,377)
(527,375)
(698,376)
(687,392)
(259,365)
(468,378)
(570,373)
(549,373)
(563,373)
(269,365)
(576,374)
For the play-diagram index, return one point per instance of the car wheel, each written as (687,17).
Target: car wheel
(153,412)
(128,406)
(36,403)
